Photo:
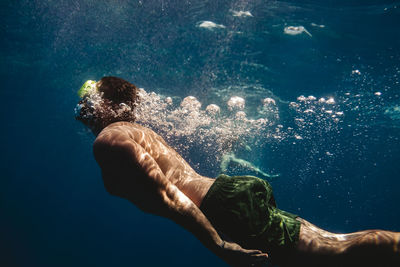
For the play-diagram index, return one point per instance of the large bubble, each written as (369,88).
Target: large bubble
(224,129)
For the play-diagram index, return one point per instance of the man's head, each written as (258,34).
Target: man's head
(109,100)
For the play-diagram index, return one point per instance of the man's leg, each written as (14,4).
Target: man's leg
(318,247)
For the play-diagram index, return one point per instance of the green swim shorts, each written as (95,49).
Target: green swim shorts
(243,209)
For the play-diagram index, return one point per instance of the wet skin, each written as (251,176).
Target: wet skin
(138,165)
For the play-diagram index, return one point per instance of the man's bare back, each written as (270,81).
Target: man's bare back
(152,151)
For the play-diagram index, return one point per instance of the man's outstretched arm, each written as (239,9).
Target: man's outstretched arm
(187,214)
(131,172)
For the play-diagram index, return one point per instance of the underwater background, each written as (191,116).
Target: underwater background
(318,103)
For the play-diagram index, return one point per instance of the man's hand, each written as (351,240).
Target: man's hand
(235,255)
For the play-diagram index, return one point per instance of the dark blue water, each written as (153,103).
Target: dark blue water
(341,176)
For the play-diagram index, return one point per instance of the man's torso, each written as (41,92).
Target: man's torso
(174,168)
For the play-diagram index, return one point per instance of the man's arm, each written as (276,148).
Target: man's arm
(132,173)
(185,213)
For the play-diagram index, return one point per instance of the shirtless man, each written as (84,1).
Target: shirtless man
(235,217)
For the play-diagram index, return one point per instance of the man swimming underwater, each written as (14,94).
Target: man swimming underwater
(235,217)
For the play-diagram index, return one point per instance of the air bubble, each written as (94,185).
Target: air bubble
(235,102)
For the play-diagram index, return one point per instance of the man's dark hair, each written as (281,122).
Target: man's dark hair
(117,103)
(117,90)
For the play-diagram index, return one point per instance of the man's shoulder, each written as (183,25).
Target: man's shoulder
(114,137)
(123,131)
(116,132)
(123,128)
(122,136)
(120,126)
